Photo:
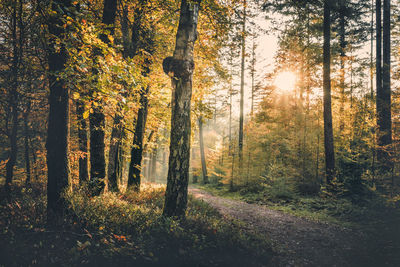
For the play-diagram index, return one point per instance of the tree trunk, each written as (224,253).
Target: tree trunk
(97,119)
(97,158)
(202,152)
(383,101)
(195,178)
(241,117)
(153,171)
(180,68)
(328,131)
(12,153)
(83,144)
(34,159)
(342,32)
(114,154)
(137,147)
(26,144)
(58,123)
(142,38)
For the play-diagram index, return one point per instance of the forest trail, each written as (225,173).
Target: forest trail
(297,241)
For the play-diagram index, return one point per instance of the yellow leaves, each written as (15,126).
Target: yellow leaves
(86,114)
(76,95)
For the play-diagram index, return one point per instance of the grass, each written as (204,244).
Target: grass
(370,214)
(122,229)
(348,212)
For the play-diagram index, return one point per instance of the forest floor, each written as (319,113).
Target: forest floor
(303,242)
(121,229)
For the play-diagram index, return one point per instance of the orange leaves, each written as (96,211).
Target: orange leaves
(120,238)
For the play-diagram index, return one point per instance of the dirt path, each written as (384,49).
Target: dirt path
(298,241)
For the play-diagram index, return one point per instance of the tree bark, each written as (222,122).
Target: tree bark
(328,131)
(13,102)
(241,117)
(153,171)
(342,32)
(83,144)
(142,38)
(58,123)
(97,119)
(180,68)
(202,152)
(26,144)
(114,154)
(383,101)
(137,148)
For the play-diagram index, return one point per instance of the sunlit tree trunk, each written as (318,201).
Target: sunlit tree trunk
(328,131)
(58,123)
(97,119)
(180,68)
(342,33)
(153,171)
(253,72)
(243,56)
(202,152)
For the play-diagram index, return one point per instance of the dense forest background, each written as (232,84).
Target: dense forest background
(115,108)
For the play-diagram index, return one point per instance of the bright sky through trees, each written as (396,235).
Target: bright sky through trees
(285,81)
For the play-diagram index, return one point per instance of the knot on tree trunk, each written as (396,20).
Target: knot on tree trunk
(178,68)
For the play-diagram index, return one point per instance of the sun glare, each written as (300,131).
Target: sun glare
(285,81)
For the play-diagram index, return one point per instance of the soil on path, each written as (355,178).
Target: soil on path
(297,241)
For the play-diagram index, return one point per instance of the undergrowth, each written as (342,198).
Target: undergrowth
(121,229)
(359,210)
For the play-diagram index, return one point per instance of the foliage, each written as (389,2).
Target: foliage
(123,228)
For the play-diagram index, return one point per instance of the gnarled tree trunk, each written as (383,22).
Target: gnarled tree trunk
(180,68)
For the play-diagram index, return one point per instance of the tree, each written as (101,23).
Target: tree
(137,148)
(97,120)
(243,56)
(13,95)
(383,93)
(202,153)
(180,68)
(83,142)
(328,131)
(58,122)
(142,40)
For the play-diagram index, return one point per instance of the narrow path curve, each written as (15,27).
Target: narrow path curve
(297,241)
